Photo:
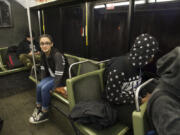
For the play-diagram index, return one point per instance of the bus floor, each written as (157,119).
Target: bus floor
(16,109)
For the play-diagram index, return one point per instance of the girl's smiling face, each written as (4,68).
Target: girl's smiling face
(46,44)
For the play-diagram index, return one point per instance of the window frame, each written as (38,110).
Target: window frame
(8,22)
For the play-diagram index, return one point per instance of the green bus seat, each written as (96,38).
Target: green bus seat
(89,66)
(3,66)
(84,66)
(59,104)
(79,68)
(139,118)
(79,90)
(139,121)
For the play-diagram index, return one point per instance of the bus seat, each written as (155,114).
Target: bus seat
(139,118)
(3,67)
(59,104)
(87,87)
(81,68)
(89,66)
(139,121)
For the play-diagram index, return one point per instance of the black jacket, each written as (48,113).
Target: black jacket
(95,114)
(164,105)
(24,47)
(56,63)
(122,79)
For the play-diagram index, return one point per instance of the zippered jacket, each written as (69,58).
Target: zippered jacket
(55,66)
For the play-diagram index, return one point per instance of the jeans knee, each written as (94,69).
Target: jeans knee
(39,87)
(44,89)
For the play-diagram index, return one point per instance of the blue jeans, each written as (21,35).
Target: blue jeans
(43,92)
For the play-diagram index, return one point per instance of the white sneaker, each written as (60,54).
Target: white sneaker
(36,112)
(40,118)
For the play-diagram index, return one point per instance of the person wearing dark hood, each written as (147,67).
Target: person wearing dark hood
(163,107)
(24,50)
(124,74)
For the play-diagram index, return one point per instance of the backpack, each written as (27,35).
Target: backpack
(12,58)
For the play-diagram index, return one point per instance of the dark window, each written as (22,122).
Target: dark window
(5,14)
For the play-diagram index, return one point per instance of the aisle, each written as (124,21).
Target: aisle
(15,111)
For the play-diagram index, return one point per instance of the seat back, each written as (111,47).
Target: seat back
(89,66)
(3,53)
(85,87)
(73,59)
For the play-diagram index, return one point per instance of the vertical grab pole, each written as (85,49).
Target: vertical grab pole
(86,28)
(30,32)
(86,6)
(44,30)
(39,20)
(130,22)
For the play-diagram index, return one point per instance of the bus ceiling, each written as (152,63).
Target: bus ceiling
(38,4)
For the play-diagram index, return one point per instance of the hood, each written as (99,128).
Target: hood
(143,50)
(168,67)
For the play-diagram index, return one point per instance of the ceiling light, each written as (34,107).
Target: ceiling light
(99,6)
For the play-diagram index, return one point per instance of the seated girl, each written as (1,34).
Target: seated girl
(54,71)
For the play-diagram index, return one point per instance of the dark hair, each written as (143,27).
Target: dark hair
(46,35)
(27,34)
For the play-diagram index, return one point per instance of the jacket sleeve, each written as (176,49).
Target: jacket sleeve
(59,68)
(165,116)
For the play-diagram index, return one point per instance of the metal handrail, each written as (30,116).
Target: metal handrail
(103,61)
(73,64)
(137,93)
(80,62)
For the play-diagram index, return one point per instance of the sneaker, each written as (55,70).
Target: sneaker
(36,111)
(40,118)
